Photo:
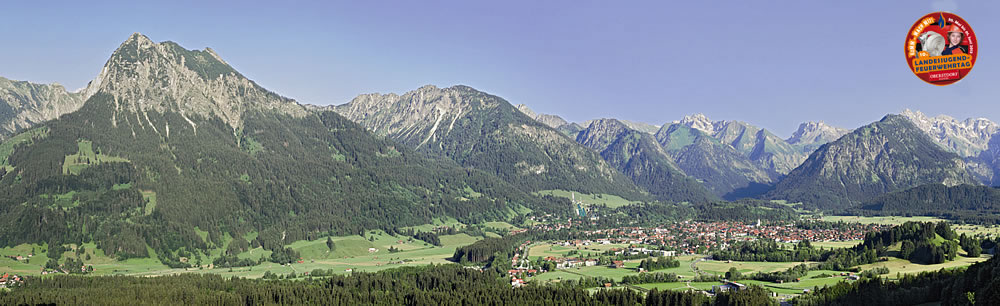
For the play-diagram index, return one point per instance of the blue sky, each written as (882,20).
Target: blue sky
(770,63)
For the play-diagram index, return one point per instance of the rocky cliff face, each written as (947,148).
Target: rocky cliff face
(965,138)
(550,120)
(568,128)
(641,158)
(885,156)
(486,132)
(24,104)
(765,149)
(719,166)
(810,135)
(143,76)
(972,138)
(635,125)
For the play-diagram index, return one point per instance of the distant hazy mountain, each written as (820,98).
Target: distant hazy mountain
(24,104)
(550,120)
(556,122)
(972,138)
(635,125)
(719,166)
(889,155)
(810,135)
(765,149)
(641,126)
(486,132)
(965,138)
(639,156)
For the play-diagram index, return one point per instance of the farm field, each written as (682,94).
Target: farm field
(969,229)
(557,250)
(893,220)
(807,282)
(85,157)
(681,286)
(593,271)
(906,267)
(351,252)
(631,268)
(609,200)
(720,267)
(824,244)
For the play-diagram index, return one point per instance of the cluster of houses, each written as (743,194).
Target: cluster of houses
(19,257)
(8,280)
(728,286)
(516,282)
(633,250)
(693,237)
(521,266)
(566,263)
(83,269)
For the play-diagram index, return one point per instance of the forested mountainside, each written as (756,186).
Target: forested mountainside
(172,141)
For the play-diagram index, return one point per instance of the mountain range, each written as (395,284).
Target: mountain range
(482,131)
(27,104)
(889,155)
(170,138)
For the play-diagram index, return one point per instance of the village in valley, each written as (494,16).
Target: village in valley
(633,256)
(612,248)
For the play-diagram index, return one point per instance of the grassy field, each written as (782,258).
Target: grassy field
(826,244)
(74,163)
(447,221)
(972,230)
(351,252)
(807,282)
(969,229)
(593,271)
(631,268)
(500,225)
(7,147)
(103,265)
(720,267)
(150,197)
(611,201)
(556,250)
(684,269)
(893,220)
(906,267)
(681,286)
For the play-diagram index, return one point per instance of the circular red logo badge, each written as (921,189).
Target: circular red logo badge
(941,48)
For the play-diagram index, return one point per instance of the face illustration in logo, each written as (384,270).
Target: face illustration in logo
(954,38)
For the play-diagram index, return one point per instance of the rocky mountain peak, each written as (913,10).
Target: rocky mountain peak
(816,132)
(889,155)
(434,110)
(966,138)
(143,76)
(547,119)
(699,122)
(24,104)
(601,130)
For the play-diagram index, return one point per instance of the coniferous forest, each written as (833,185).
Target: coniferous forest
(429,285)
